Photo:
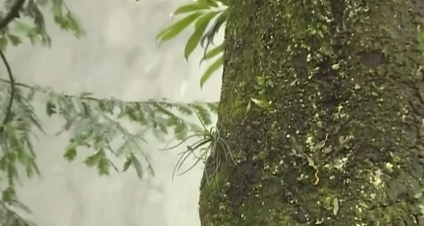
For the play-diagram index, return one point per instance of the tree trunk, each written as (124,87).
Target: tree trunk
(338,137)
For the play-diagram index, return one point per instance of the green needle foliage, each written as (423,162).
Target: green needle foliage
(91,122)
(207,142)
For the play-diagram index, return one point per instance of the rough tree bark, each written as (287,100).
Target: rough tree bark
(341,142)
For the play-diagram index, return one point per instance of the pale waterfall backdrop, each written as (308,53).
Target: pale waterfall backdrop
(118,57)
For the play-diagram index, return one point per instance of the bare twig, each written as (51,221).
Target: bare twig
(12,14)
(4,22)
(89,98)
(12,93)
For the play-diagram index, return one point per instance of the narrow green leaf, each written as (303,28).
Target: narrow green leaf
(264,104)
(127,164)
(163,128)
(249,105)
(212,3)
(31,168)
(213,52)
(211,69)
(137,165)
(210,34)
(74,25)
(200,27)
(205,19)
(177,27)
(191,7)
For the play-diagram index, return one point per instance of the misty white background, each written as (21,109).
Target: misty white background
(118,57)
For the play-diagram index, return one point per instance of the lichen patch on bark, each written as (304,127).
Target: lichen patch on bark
(341,143)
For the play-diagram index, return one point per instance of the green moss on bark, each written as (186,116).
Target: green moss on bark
(341,143)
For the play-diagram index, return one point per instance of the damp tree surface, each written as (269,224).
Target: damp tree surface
(337,138)
(320,120)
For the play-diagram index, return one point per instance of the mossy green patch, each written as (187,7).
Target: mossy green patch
(341,143)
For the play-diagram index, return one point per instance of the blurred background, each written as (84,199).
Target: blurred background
(117,58)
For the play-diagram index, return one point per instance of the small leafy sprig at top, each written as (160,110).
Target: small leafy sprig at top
(201,13)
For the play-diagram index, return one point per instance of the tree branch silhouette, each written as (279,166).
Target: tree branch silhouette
(12,14)
(4,22)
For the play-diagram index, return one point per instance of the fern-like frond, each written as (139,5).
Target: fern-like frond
(96,123)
